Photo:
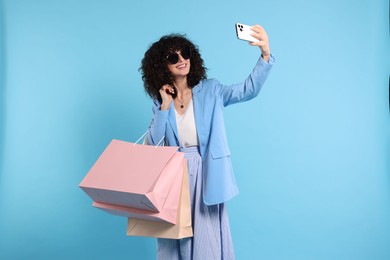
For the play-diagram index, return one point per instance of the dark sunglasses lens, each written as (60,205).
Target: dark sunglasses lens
(186,53)
(173,58)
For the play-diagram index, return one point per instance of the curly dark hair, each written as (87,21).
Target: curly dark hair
(154,66)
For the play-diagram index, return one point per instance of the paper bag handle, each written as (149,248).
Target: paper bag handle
(136,142)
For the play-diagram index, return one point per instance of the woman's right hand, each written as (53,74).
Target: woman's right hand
(166,98)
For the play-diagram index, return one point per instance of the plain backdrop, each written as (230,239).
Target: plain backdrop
(311,153)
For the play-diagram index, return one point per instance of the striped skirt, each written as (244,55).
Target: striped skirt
(212,238)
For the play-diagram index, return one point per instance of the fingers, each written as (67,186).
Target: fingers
(258,29)
(259,33)
(166,90)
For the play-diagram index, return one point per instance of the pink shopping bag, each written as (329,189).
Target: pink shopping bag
(168,212)
(183,226)
(134,176)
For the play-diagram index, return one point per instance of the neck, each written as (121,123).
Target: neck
(181,85)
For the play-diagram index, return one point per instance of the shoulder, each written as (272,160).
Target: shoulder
(207,85)
(211,81)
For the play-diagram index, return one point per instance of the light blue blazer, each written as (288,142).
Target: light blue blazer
(209,99)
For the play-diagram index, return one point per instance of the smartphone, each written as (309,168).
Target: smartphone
(244,33)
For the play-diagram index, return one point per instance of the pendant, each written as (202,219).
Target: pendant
(181,106)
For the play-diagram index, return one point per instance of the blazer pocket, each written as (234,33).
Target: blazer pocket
(219,153)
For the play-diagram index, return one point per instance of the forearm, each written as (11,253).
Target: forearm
(157,127)
(250,87)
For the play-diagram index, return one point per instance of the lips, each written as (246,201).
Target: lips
(181,66)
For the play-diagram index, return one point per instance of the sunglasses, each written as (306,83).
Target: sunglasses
(173,58)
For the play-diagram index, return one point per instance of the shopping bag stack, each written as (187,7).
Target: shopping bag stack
(147,184)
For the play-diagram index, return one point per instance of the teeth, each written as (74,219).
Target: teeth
(181,66)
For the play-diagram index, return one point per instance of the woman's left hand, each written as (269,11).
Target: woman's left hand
(259,33)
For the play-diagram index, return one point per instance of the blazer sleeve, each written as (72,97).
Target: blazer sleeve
(157,127)
(249,88)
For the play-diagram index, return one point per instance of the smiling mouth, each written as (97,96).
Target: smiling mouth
(182,66)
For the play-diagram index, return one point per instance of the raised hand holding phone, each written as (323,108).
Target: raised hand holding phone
(256,36)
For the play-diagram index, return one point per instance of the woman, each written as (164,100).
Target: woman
(187,112)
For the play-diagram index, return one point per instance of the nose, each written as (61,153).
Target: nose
(180,57)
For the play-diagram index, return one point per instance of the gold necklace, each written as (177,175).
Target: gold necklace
(182,102)
(182,105)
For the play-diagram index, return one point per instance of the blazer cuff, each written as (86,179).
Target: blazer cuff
(271,60)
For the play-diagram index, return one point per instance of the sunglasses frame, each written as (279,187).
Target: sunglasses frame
(173,58)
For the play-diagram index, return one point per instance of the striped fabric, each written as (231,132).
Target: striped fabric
(212,238)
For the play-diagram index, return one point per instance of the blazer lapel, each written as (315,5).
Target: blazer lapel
(172,121)
(196,96)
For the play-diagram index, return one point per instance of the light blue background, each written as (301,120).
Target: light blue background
(311,153)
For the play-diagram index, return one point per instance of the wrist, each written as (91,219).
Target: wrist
(266,56)
(164,106)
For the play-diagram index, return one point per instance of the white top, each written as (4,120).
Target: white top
(186,127)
